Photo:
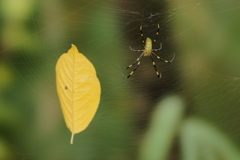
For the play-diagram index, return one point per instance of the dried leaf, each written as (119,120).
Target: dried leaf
(78,89)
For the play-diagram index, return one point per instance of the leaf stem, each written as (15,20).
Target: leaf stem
(72,137)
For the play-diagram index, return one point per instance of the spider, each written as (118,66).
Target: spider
(147,51)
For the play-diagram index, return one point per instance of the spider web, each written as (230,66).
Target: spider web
(203,35)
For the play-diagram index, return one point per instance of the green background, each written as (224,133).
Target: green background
(192,112)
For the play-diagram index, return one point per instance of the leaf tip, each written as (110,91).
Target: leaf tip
(73,48)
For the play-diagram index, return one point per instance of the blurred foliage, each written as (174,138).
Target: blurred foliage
(198,139)
(14,29)
(163,128)
(201,140)
(204,36)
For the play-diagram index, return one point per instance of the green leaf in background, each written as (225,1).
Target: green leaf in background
(201,140)
(164,125)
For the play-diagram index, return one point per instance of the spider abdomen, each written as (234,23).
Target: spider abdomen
(148,47)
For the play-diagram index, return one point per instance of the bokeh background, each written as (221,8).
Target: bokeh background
(191,113)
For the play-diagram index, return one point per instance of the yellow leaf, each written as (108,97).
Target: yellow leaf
(78,89)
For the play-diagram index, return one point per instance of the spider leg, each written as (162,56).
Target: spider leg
(158,48)
(166,61)
(154,65)
(138,61)
(141,34)
(135,50)
(155,39)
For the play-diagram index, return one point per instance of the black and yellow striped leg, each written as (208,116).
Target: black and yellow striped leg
(154,65)
(138,61)
(134,62)
(166,61)
(155,39)
(141,34)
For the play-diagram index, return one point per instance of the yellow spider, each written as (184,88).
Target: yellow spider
(148,51)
